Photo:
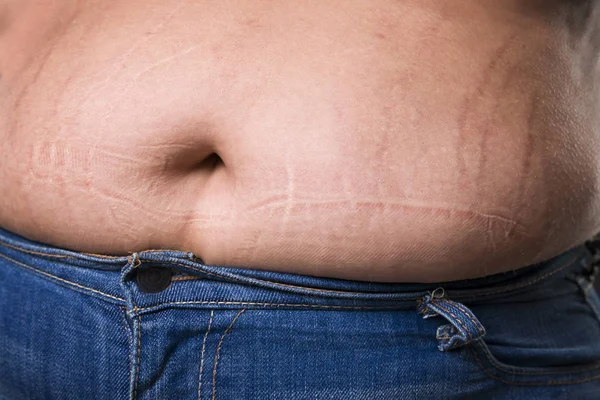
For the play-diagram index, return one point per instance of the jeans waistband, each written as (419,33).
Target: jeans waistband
(109,277)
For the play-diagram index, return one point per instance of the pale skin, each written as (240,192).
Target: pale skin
(366,139)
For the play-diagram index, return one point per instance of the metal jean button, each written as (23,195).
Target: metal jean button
(154,279)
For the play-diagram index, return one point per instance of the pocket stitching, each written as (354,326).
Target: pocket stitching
(509,369)
(549,383)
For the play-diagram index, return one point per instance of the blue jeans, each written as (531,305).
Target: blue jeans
(163,325)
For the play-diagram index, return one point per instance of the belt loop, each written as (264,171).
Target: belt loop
(464,327)
(133,262)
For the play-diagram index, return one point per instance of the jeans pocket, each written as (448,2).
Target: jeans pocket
(550,336)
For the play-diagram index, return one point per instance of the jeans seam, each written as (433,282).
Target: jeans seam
(269,282)
(468,315)
(54,277)
(549,383)
(202,354)
(497,364)
(24,250)
(217,354)
(504,369)
(139,351)
(265,304)
(123,313)
(50,255)
(186,278)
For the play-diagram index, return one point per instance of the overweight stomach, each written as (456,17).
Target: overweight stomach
(379,144)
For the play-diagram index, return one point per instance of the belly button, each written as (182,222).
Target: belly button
(213,161)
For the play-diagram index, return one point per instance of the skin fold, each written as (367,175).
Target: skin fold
(398,141)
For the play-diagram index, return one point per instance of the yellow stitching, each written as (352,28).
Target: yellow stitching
(159,251)
(186,278)
(214,380)
(245,303)
(33,252)
(124,321)
(202,357)
(24,250)
(61,279)
(127,333)
(139,351)
(457,320)
(468,315)
(98,255)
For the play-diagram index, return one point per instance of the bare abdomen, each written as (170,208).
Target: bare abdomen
(389,147)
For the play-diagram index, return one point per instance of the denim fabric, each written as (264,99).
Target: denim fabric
(77,326)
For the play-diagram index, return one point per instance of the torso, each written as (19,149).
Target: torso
(364,139)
